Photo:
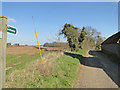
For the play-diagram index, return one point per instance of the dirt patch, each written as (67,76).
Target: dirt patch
(16,63)
(7,68)
(15,50)
(17,57)
(21,50)
(62,74)
(54,48)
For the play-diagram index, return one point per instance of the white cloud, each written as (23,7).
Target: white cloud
(11,20)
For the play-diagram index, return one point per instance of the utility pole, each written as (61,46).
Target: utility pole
(3,40)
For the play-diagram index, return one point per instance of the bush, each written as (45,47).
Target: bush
(56,44)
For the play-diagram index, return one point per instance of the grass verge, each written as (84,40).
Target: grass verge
(59,70)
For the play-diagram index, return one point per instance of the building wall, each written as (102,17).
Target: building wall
(119,50)
(113,49)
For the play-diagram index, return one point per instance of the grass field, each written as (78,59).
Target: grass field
(26,71)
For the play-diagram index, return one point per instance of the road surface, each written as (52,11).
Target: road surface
(99,72)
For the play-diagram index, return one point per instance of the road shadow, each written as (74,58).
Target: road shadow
(95,60)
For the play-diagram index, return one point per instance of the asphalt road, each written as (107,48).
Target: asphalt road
(99,72)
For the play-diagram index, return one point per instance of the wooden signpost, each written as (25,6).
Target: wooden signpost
(3,41)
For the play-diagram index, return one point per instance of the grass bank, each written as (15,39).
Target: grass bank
(59,70)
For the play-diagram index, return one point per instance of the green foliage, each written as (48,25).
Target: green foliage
(16,44)
(8,44)
(88,43)
(87,38)
(99,40)
(73,35)
(56,44)
(82,36)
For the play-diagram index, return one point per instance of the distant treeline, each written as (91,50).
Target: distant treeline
(16,44)
(56,44)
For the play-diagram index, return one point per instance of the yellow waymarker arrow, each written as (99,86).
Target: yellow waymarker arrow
(39,46)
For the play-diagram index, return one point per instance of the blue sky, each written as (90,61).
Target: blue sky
(49,17)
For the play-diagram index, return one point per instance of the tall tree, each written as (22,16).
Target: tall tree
(77,38)
(95,36)
(72,34)
(82,36)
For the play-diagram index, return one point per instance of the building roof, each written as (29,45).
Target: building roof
(112,39)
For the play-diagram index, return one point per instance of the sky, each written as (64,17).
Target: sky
(50,17)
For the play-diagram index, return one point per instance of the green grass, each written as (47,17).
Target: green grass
(64,75)
(24,59)
(81,52)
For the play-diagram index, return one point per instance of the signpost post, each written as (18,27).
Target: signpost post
(3,40)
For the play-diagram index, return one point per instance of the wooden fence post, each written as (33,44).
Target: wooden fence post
(3,40)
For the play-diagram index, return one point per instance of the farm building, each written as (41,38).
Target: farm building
(112,45)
